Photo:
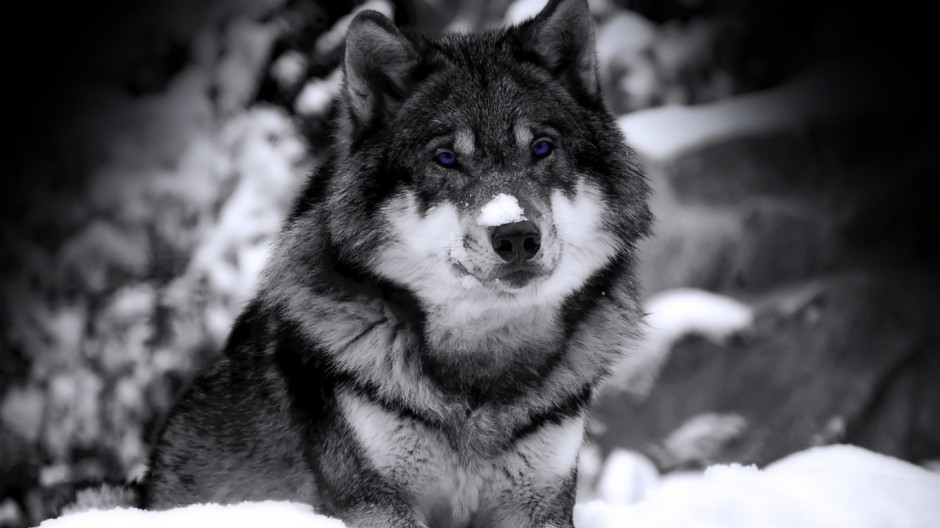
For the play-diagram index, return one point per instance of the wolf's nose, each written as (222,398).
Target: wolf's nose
(516,242)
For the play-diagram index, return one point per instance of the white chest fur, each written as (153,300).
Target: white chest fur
(446,492)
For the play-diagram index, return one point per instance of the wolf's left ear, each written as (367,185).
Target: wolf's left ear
(562,35)
(378,63)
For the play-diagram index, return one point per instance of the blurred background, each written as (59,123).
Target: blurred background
(153,147)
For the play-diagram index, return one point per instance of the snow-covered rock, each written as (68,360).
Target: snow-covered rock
(672,315)
(827,92)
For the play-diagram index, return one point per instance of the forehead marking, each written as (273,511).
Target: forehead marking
(523,133)
(464,142)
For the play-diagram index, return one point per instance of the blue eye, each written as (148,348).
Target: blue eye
(446,158)
(542,148)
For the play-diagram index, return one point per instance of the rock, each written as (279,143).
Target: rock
(895,214)
(691,248)
(18,459)
(780,242)
(817,361)
(730,171)
(758,244)
(902,421)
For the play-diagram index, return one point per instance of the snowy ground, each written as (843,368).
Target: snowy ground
(824,487)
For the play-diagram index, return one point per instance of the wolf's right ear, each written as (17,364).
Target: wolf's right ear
(378,64)
(562,34)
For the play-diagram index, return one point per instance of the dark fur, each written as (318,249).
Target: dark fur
(266,421)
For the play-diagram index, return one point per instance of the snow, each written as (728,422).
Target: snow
(824,487)
(289,69)
(624,48)
(675,313)
(626,478)
(502,209)
(623,38)
(522,10)
(21,412)
(317,96)
(120,337)
(269,513)
(266,158)
(9,512)
(332,41)
(73,408)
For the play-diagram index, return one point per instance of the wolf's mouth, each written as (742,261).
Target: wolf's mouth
(507,278)
(517,276)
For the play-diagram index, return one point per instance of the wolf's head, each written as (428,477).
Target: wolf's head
(479,169)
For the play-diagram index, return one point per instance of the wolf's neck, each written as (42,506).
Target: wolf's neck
(493,355)
(496,327)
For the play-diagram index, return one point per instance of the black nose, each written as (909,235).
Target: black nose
(516,242)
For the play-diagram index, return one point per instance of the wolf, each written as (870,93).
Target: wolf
(444,298)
